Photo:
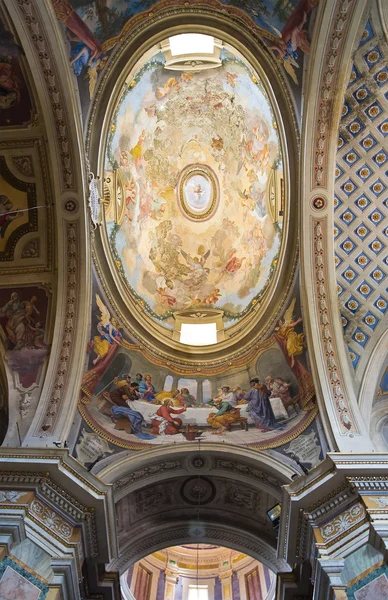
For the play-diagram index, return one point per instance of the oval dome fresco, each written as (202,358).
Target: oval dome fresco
(194,188)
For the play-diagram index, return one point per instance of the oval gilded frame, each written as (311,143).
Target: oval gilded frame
(208,211)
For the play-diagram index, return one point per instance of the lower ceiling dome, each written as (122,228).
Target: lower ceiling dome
(195,188)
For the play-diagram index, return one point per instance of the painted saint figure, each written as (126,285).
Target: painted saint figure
(22,331)
(122,398)
(279,388)
(259,406)
(164,421)
(226,413)
(146,389)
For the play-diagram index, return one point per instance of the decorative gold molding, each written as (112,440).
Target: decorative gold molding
(54,89)
(344,413)
(327,90)
(49,419)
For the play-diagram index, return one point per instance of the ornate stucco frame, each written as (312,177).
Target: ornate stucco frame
(139,40)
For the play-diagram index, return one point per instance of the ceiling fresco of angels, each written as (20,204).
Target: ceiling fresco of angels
(215,239)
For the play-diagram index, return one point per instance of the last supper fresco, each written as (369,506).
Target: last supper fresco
(195,158)
(133,400)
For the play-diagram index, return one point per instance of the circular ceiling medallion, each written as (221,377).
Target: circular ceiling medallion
(198,192)
(197,462)
(198,490)
(318,203)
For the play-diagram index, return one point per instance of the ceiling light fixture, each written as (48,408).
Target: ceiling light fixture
(191,43)
(198,334)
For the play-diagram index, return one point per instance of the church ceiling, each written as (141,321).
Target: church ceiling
(95,30)
(195,217)
(360,202)
(199,218)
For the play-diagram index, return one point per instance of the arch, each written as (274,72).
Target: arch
(375,368)
(130,470)
(179,533)
(58,133)
(156,487)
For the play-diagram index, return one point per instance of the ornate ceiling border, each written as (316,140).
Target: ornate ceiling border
(48,421)
(54,89)
(336,25)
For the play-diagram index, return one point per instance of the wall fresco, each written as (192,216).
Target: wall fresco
(15,101)
(134,400)
(200,162)
(93,29)
(23,319)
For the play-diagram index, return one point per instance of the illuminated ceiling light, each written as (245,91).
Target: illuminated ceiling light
(198,334)
(191,43)
(191,52)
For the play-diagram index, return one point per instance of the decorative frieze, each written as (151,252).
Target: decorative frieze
(146,472)
(50,418)
(51,519)
(343,522)
(326,329)
(326,96)
(54,90)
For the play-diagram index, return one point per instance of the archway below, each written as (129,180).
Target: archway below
(198,572)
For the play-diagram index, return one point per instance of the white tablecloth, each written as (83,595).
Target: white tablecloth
(194,416)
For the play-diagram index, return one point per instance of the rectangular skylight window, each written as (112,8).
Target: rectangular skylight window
(203,334)
(191,43)
(198,592)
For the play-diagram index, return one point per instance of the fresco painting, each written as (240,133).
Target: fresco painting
(133,400)
(206,239)
(94,27)
(15,101)
(23,319)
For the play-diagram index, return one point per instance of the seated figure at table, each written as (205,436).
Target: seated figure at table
(189,399)
(225,415)
(164,421)
(146,389)
(122,398)
(239,393)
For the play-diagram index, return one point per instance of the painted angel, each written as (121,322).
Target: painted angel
(294,342)
(109,331)
(199,272)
